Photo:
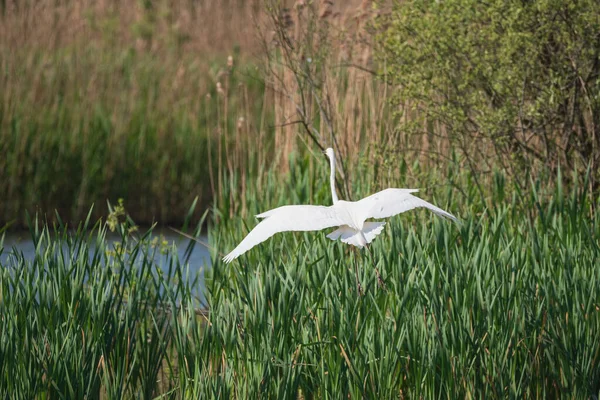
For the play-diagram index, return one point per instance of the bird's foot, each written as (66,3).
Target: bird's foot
(359,289)
(380,281)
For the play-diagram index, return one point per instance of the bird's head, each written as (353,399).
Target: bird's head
(329,152)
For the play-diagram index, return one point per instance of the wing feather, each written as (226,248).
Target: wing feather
(288,218)
(266,214)
(390,202)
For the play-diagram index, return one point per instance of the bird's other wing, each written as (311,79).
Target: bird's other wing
(390,202)
(267,214)
(288,218)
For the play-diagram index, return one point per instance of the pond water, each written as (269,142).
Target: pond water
(199,260)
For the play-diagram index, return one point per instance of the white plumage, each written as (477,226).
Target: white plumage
(349,216)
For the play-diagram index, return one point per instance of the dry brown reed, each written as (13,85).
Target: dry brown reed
(202,27)
(177,66)
(326,88)
(107,99)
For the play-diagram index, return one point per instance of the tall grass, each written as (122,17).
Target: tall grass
(153,102)
(87,317)
(503,304)
(118,100)
(157,103)
(65,148)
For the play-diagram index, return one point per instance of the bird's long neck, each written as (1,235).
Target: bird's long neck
(332,180)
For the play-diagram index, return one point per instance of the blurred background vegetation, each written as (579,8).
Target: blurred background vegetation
(110,99)
(158,102)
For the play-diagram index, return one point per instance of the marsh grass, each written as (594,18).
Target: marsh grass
(503,304)
(158,103)
(89,317)
(119,100)
(129,140)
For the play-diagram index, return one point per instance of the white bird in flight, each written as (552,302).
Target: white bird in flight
(349,216)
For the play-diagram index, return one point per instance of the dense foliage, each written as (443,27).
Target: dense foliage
(510,83)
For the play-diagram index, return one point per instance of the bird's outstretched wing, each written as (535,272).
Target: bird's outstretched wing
(390,202)
(288,218)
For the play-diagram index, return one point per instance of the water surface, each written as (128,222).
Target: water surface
(198,262)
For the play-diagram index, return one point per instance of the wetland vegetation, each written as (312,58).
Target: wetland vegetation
(207,125)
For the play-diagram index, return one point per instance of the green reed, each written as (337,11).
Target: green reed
(89,316)
(503,304)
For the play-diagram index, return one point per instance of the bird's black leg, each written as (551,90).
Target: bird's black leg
(358,285)
(380,281)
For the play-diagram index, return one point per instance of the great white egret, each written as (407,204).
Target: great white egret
(349,216)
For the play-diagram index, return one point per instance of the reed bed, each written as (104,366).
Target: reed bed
(503,304)
(89,317)
(108,100)
(152,102)
(65,150)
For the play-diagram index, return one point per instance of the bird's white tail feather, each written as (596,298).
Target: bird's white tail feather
(372,229)
(357,238)
(344,232)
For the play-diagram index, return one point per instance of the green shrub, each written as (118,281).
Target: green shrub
(507,83)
